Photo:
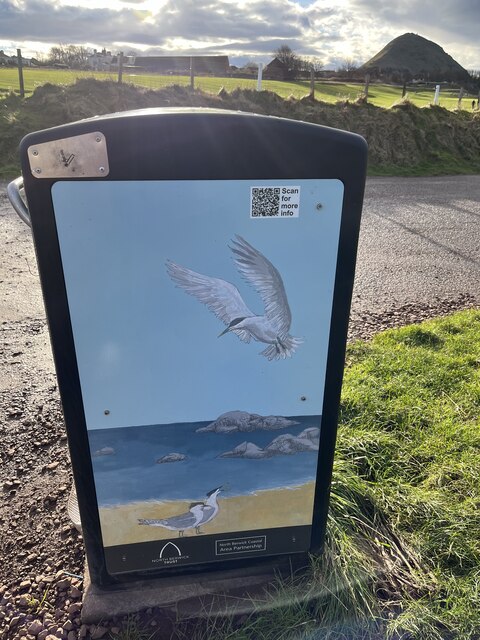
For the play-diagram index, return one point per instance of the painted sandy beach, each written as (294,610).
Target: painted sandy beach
(261,510)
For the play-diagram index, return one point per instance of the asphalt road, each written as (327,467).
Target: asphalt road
(419,241)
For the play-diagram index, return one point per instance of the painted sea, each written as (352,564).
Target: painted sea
(127,468)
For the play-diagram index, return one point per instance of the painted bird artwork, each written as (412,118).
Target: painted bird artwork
(198,514)
(224,300)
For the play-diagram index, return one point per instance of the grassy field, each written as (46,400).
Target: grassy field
(380,95)
(402,558)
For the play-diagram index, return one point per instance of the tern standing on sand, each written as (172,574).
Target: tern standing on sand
(199,513)
(225,301)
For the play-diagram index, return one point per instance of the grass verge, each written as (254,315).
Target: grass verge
(403,140)
(402,558)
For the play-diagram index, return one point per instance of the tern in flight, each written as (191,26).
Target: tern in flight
(199,513)
(225,301)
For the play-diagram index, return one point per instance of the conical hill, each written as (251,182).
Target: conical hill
(411,56)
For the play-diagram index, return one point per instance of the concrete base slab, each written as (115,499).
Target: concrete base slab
(224,592)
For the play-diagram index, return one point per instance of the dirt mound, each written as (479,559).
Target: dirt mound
(403,140)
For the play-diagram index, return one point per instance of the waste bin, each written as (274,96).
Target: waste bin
(197,268)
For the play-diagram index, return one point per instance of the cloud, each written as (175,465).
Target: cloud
(326,29)
(253,28)
(43,21)
(195,20)
(452,17)
(220,19)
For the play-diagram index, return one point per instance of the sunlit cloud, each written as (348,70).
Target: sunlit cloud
(330,30)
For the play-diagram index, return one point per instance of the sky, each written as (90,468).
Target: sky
(328,30)
(149,353)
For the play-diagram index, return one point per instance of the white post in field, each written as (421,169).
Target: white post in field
(259,77)
(437,94)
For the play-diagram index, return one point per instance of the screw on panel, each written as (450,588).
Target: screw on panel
(319,206)
(98,139)
(38,170)
(101,169)
(107,412)
(303,398)
(34,152)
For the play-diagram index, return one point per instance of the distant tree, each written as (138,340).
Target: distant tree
(290,59)
(41,57)
(348,67)
(317,64)
(71,55)
(307,65)
(286,55)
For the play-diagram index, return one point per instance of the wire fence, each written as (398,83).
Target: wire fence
(23,80)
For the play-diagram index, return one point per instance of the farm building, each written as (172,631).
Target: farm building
(275,70)
(213,65)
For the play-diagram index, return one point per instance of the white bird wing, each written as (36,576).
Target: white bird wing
(208,512)
(265,278)
(220,296)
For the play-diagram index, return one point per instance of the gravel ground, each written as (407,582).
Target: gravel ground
(418,258)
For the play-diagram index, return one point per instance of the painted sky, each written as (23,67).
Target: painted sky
(330,30)
(150,353)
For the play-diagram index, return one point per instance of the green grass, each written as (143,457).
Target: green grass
(380,95)
(402,559)
(410,426)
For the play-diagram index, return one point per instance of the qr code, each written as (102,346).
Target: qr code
(265,202)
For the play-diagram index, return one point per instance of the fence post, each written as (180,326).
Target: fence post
(437,94)
(20,73)
(367,85)
(460,97)
(312,83)
(259,77)
(120,67)
(192,73)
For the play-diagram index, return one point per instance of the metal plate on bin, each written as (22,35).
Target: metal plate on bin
(83,156)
